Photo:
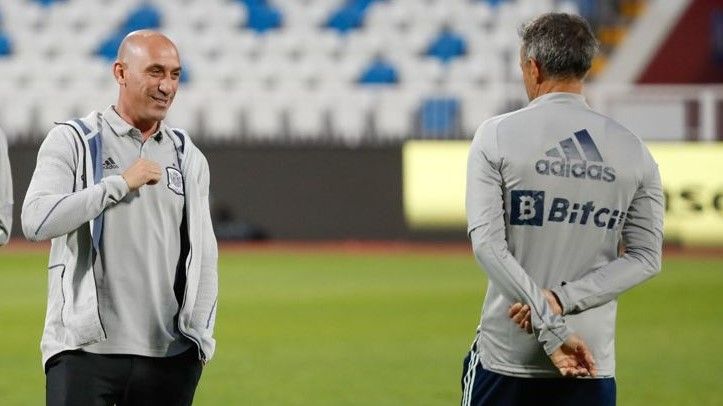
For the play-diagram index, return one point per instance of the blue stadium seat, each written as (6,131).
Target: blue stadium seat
(108,49)
(447,46)
(348,17)
(494,3)
(263,17)
(6,45)
(145,16)
(185,74)
(439,117)
(222,47)
(345,19)
(589,9)
(379,72)
(48,3)
(253,3)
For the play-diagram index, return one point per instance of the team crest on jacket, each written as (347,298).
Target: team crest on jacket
(175,180)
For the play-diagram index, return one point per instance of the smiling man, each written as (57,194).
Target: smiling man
(132,293)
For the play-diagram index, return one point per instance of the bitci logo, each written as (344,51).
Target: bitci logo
(527,207)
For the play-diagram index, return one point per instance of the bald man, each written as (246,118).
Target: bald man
(132,272)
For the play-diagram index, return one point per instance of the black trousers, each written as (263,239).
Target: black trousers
(85,379)
(484,387)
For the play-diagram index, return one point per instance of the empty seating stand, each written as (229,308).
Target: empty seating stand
(276,71)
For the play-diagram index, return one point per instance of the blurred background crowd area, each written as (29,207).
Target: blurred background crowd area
(350,119)
(348,72)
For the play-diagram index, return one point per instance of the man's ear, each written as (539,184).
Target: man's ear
(119,73)
(536,71)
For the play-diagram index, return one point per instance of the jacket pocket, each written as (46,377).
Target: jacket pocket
(56,291)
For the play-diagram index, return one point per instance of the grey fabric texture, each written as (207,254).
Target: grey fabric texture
(552,190)
(6,192)
(64,204)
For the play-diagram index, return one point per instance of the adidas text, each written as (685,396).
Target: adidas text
(580,170)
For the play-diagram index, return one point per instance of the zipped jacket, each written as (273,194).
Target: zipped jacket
(65,203)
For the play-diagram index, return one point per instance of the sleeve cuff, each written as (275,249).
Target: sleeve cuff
(564,299)
(552,339)
(116,187)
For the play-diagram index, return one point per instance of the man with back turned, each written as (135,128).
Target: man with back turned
(552,190)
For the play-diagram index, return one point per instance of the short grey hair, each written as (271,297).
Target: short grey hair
(563,44)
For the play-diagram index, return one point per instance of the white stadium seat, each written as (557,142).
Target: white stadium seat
(295,82)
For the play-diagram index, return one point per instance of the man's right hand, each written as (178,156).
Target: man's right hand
(142,172)
(573,358)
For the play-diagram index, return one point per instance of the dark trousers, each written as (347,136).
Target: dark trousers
(80,378)
(489,388)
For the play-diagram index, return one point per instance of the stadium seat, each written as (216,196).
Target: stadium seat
(144,16)
(265,117)
(263,17)
(49,111)
(478,104)
(17,117)
(447,46)
(439,117)
(307,115)
(379,72)
(108,49)
(48,3)
(397,53)
(222,116)
(6,45)
(350,113)
(494,3)
(393,114)
(186,110)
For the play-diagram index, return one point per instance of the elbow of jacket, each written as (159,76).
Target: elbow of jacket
(486,251)
(31,236)
(651,262)
(654,263)
(487,246)
(30,228)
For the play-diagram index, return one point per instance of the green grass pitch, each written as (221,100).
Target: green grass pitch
(384,329)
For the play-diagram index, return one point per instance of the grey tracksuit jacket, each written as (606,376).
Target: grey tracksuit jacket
(65,203)
(552,190)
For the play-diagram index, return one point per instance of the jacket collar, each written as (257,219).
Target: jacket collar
(121,128)
(560,97)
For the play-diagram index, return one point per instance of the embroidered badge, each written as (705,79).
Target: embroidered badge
(175,180)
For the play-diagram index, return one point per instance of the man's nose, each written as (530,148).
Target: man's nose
(166,85)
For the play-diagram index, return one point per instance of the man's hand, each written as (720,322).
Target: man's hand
(573,358)
(520,313)
(142,172)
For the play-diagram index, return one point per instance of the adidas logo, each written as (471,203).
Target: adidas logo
(110,164)
(587,154)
